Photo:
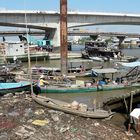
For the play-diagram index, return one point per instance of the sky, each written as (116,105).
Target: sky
(125,6)
(114,6)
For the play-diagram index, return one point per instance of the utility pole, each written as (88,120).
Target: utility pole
(63,36)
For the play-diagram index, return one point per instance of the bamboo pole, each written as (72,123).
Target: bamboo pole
(29,61)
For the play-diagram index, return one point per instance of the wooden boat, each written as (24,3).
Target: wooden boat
(14,87)
(64,106)
(53,71)
(100,49)
(80,86)
(78,89)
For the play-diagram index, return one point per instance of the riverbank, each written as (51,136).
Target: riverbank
(22,118)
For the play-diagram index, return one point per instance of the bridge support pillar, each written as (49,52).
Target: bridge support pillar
(94,37)
(121,39)
(54,35)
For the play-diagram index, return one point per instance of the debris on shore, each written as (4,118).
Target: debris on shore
(22,118)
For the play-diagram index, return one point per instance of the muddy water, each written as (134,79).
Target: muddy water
(86,97)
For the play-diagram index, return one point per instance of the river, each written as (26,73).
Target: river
(89,97)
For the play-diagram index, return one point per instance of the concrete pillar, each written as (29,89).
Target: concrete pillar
(121,39)
(94,37)
(56,37)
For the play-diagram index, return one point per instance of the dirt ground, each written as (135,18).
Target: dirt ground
(22,118)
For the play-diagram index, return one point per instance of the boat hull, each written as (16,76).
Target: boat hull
(63,106)
(56,89)
(14,87)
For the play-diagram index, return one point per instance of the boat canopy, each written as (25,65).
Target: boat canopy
(105,70)
(131,64)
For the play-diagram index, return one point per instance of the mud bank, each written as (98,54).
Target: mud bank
(22,118)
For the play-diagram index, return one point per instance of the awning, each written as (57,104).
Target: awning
(131,64)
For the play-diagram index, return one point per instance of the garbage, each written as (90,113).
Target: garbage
(55,117)
(73,129)
(40,122)
(62,130)
(13,113)
(75,105)
(39,112)
(28,112)
(23,132)
(83,107)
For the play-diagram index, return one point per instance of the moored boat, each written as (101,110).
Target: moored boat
(98,49)
(14,87)
(77,89)
(65,107)
(104,84)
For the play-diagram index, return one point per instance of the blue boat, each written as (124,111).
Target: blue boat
(14,87)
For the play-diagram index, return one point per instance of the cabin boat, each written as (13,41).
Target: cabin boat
(19,49)
(65,107)
(102,52)
(98,49)
(93,86)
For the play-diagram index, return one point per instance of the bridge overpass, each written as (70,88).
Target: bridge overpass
(50,20)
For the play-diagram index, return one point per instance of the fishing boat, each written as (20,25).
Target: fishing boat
(98,49)
(93,86)
(14,87)
(84,89)
(65,107)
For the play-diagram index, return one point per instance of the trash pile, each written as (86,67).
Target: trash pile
(22,118)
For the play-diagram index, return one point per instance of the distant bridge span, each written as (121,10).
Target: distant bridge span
(112,34)
(70,33)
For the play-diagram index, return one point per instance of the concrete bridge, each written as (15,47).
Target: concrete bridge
(50,20)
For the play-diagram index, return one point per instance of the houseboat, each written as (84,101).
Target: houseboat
(99,50)
(11,50)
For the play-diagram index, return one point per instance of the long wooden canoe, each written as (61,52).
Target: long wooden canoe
(64,106)
(14,87)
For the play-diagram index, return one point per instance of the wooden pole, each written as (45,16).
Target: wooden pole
(63,36)
(29,60)
(130,109)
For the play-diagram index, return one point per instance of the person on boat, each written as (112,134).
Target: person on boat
(115,56)
(15,59)
(119,56)
(42,82)
(81,68)
(65,79)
